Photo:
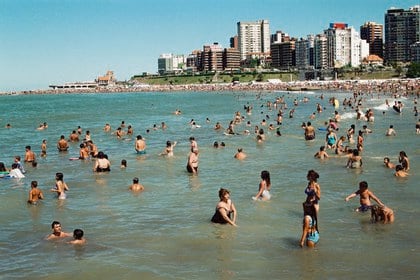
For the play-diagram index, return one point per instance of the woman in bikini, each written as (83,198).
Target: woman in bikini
(225,209)
(313,190)
(60,186)
(264,187)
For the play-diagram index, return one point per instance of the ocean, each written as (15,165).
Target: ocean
(165,232)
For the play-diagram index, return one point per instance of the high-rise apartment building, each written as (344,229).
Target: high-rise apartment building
(231,59)
(321,51)
(372,32)
(234,42)
(304,50)
(415,52)
(215,58)
(212,58)
(343,45)
(283,55)
(402,29)
(254,39)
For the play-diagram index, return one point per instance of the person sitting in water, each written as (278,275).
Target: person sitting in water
(15,172)
(78,237)
(225,210)
(321,154)
(365,197)
(388,163)
(240,154)
(381,213)
(400,172)
(57,232)
(136,186)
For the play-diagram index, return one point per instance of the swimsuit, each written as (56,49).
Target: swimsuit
(331,140)
(311,193)
(99,169)
(142,152)
(313,234)
(309,137)
(190,169)
(218,218)
(364,208)
(355,164)
(266,194)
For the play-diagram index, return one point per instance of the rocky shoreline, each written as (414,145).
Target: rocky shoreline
(393,86)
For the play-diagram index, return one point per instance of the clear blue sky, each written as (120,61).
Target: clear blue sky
(57,41)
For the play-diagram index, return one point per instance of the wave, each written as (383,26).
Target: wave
(382,107)
(348,115)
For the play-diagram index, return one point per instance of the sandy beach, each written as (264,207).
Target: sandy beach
(400,87)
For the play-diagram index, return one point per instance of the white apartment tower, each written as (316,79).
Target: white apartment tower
(343,45)
(254,39)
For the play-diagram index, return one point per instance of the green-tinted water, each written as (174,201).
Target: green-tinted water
(164,232)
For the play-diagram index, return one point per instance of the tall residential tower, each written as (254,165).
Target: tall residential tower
(254,39)
(402,30)
(372,32)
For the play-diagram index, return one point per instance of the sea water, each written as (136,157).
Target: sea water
(165,232)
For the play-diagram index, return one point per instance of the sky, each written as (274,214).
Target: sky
(45,42)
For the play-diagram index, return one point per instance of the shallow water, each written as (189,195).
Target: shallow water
(164,232)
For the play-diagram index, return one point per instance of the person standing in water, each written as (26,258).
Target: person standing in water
(264,187)
(310,233)
(313,190)
(35,194)
(60,186)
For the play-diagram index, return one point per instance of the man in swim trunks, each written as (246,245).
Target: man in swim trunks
(365,196)
(62,144)
(140,145)
(29,154)
(35,194)
(309,131)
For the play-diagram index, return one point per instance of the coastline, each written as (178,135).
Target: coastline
(393,86)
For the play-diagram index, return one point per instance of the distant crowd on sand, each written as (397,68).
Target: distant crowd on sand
(350,146)
(401,86)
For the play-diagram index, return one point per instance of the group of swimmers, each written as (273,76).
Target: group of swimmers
(225,209)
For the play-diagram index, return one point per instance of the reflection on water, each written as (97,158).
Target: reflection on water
(165,231)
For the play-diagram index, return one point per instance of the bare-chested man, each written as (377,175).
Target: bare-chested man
(29,154)
(136,186)
(57,233)
(309,131)
(140,145)
(62,144)
(35,194)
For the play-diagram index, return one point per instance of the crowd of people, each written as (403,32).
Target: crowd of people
(346,146)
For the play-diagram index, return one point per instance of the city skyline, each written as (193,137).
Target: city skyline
(48,41)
